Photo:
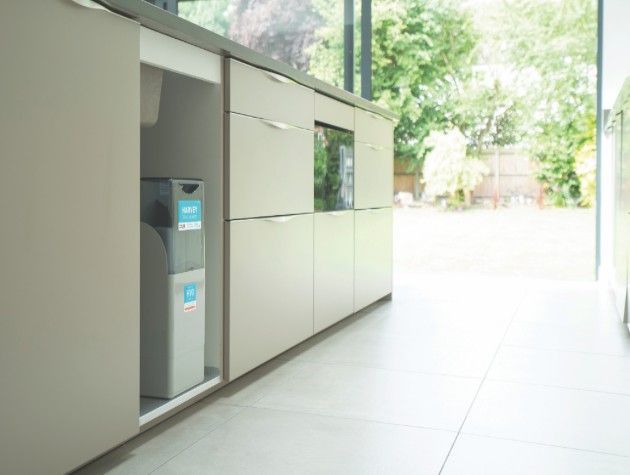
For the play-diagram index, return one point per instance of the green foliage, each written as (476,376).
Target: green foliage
(552,45)
(211,14)
(447,170)
(422,51)
(330,144)
(488,115)
(326,52)
(586,169)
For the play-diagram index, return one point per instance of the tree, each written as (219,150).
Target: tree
(448,170)
(422,55)
(422,52)
(281,29)
(552,46)
(326,52)
(211,14)
(488,115)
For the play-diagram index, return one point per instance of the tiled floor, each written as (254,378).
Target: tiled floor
(456,375)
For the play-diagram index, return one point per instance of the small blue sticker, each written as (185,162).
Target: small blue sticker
(188,215)
(190,297)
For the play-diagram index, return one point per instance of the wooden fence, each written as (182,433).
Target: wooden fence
(511,176)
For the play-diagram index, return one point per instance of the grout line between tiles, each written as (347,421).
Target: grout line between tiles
(381,368)
(200,438)
(348,418)
(529,347)
(558,386)
(540,444)
(450,450)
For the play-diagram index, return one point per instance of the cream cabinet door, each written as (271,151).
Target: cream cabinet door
(270,304)
(270,168)
(259,93)
(372,128)
(373,176)
(334,267)
(69,278)
(372,256)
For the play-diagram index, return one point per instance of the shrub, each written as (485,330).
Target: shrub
(448,171)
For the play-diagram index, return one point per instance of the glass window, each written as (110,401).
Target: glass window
(334,169)
(306,34)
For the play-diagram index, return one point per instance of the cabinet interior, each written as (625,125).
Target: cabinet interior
(181,137)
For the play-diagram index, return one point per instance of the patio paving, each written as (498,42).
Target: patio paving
(524,242)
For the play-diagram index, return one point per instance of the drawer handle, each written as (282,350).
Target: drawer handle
(278,125)
(375,147)
(279,78)
(336,213)
(90,4)
(280,219)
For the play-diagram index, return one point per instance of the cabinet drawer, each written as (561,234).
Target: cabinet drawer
(372,256)
(270,168)
(373,176)
(334,267)
(268,95)
(372,128)
(270,303)
(332,112)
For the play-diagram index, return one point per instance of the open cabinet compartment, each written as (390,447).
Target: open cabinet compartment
(181,137)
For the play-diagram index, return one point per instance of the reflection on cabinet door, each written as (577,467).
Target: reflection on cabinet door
(270,288)
(374,176)
(334,267)
(372,256)
(69,324)
(270,168)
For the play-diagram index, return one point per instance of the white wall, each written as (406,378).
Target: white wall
(616,68)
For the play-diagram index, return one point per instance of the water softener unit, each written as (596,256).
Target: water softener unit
(172,283)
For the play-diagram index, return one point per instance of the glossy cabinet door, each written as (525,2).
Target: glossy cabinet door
(259,93)
(270,294)
(373,176)
(374,129)
(332,112)
(69,279)
(620,251)
(372,256)
(333,267)
(270,168)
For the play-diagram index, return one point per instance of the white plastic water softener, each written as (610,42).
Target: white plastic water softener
(172,283)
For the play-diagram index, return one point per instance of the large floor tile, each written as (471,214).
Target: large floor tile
(151,449)
(475,455)
(555,416)
(249,388)
(568,306)
(261,441)
(397,397)
(436,338)
(433,350)
(562,368)
(609,339)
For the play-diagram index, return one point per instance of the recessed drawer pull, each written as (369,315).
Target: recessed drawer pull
(90,4)
(336,213)
(278,125)
(280,219)
(279,78)
(375,147)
